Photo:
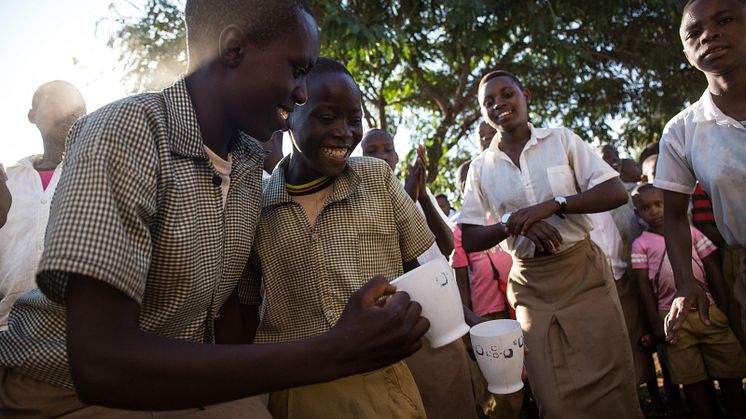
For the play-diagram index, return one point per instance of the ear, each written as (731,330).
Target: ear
(32,116)
(230,46)
(527,93)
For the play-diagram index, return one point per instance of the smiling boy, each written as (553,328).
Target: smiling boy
(707,142)
(150,233)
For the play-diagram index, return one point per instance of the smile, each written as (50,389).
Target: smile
(504,114)
(336,153)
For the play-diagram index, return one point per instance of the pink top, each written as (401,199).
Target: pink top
(46,177)
(649,248)
(486,296)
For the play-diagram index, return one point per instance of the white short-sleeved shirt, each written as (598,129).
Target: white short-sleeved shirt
(703,144)
(554,162)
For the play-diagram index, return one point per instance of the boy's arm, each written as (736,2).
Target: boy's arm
(462,279)
(436,224)
(649,304)
(477,238)
(679,247)
(715,281)
(115,363)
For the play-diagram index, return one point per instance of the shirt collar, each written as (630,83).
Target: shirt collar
(536,134)
(185,136)
(705,110)
(276,194)
(28,162)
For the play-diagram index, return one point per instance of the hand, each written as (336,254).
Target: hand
(688,296)
(413,184)
(521,221)
(379,326)
(544,236)
(421,166)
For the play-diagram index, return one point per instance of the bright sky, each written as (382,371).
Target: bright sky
(44,40)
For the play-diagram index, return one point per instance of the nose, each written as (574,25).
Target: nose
(709,33)
(300,92)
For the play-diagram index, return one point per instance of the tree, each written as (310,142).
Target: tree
(587,64)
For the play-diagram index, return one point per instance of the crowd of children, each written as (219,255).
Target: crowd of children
(187,271)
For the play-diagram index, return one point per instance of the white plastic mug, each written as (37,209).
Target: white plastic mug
(498,347)
(434,287)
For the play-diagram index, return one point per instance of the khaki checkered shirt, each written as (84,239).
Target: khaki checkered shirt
(367,226)
(136,207)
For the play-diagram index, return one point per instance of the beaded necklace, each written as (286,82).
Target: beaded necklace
(310,187)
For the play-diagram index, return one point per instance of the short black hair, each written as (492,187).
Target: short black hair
(262,20)
(688,2)
(645,187)
(500,73)
(378,131)
(441,195)
(326,65)
(649,150)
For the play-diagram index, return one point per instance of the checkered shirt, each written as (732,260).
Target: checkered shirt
(136,208)
(367,226)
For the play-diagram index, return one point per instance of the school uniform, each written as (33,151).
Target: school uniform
(22,236)
(139,206)
(703,144)
(579,362)
(701,351)
(309,258)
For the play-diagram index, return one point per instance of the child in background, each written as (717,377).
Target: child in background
(334,221)
(702,351)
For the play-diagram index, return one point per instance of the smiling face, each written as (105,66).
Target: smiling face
(649,206)
(269,80)
(328,127)
(713,34)
(504,104)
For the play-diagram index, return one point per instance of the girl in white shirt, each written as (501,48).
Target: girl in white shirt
(540,183)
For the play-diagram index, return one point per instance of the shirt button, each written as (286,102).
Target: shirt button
(43,201)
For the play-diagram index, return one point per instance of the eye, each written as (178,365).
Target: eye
(356,120)
(487,103)
(693,34)
(725,20)
(507,94)
(300,71)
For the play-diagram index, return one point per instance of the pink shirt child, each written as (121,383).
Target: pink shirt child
(46,177)
(649,248)
(486,295)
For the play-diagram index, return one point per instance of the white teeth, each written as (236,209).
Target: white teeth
(506,113)
(337,153)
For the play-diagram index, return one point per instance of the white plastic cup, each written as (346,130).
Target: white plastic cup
(434,287)
(498,347)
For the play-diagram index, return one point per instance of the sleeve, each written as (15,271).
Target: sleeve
(590,169)
(414,235)
(474,206)
(702,245)
(249,288)
(100,214)
(639,255)
(458,256)
(673,172)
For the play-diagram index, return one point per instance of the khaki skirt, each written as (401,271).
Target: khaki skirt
(579,360)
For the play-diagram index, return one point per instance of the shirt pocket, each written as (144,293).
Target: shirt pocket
(562,180)
(378,244)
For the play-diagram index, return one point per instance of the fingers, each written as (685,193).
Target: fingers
(372,291)
(674,319)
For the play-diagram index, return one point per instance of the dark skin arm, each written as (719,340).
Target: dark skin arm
(679,247)
(649,303)
(715,281)
(415,187)
(114,363)
(462,279)
(5,201)
(602,197)
(477,238)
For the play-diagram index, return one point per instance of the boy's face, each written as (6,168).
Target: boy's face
(381,146)
(713,34)
(486,132)
(504,105)
(630,171)
(648,168)
(270,80)
(649,206)
(328,127)
(444,205)
(56,112)
(611,156)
